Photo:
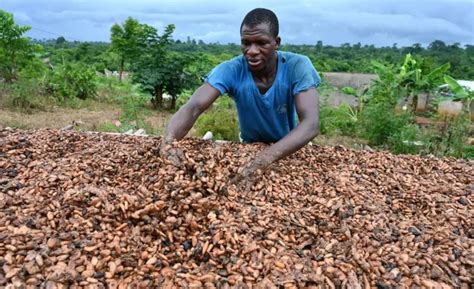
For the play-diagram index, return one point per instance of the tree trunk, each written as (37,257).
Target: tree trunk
(157,99)
(122,61)
(12,73)
(173,102)
(414,102)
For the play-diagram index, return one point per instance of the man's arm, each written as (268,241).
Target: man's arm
(184,119)
(307,107)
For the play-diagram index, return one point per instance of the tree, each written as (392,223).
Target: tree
(126,40)
(161,71)
(60,41)
(437,45)
(15,50)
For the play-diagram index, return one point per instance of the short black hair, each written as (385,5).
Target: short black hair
(261,15)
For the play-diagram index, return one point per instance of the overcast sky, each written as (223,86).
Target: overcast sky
(379,22)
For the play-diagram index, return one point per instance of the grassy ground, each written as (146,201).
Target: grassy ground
(95,115)
(92,117)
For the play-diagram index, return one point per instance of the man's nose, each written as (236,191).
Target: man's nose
(253,49)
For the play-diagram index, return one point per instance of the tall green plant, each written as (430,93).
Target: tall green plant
(15,50)
(221,120)
(127,40)
(417,75)
(460,93)
(160,71)
(73,81)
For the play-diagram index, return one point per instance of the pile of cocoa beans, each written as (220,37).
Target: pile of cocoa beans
(82,210)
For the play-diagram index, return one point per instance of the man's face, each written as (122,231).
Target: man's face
(258,46)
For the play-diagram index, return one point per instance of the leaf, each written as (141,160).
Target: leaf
(377,65)
(438,72)
(457,89)
(350,90)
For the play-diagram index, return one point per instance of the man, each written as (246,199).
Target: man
(270,88)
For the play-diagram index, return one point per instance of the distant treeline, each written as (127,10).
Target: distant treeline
(344,58)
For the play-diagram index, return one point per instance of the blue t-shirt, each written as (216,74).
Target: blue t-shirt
(270,116)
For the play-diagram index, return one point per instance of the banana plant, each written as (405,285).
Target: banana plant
(415,77)
(460,93)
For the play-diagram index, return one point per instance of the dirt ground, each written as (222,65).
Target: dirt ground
(57,118)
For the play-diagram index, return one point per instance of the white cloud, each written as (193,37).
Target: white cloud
(301,21)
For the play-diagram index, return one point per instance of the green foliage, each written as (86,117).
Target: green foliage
(160,71)
(458,90)
(73,80)
(28,95)
(111,90)
(460,93)
(221,120)
(128,39)
(34,69)
(108,127)
(132,111)
(406,140)
(340,120)
(183,98)
(15,50)
(350,90)
(386,89)
(450,140)
(379,123)
(133,108)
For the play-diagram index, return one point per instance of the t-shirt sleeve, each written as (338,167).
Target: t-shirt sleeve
(222,77)
(305,76)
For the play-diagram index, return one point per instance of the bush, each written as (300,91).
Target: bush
(450,140)
(133,116)
(407,140)
(110,89)
(340,120)
(27,95)
(73,80)
(221,120)
(379,122)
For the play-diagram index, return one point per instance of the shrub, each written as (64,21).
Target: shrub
(221,120)
(110,89)
(407,140)
(183,97)
(450,140)
(73,80)
(27,95)
(379,122)
(340,120)
(133,116)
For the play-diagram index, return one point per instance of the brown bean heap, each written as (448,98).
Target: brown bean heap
(84,210)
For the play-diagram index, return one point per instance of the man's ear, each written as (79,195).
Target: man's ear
(278,42)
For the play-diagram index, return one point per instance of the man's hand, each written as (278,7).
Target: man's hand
(248,175)
(171,154)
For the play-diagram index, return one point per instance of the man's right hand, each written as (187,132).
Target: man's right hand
(183,120)
(171,154)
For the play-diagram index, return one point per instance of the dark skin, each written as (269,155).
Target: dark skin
(259,48)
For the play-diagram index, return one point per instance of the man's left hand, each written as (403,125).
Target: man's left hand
(248,175)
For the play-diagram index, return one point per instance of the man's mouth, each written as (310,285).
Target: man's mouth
(254,62)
